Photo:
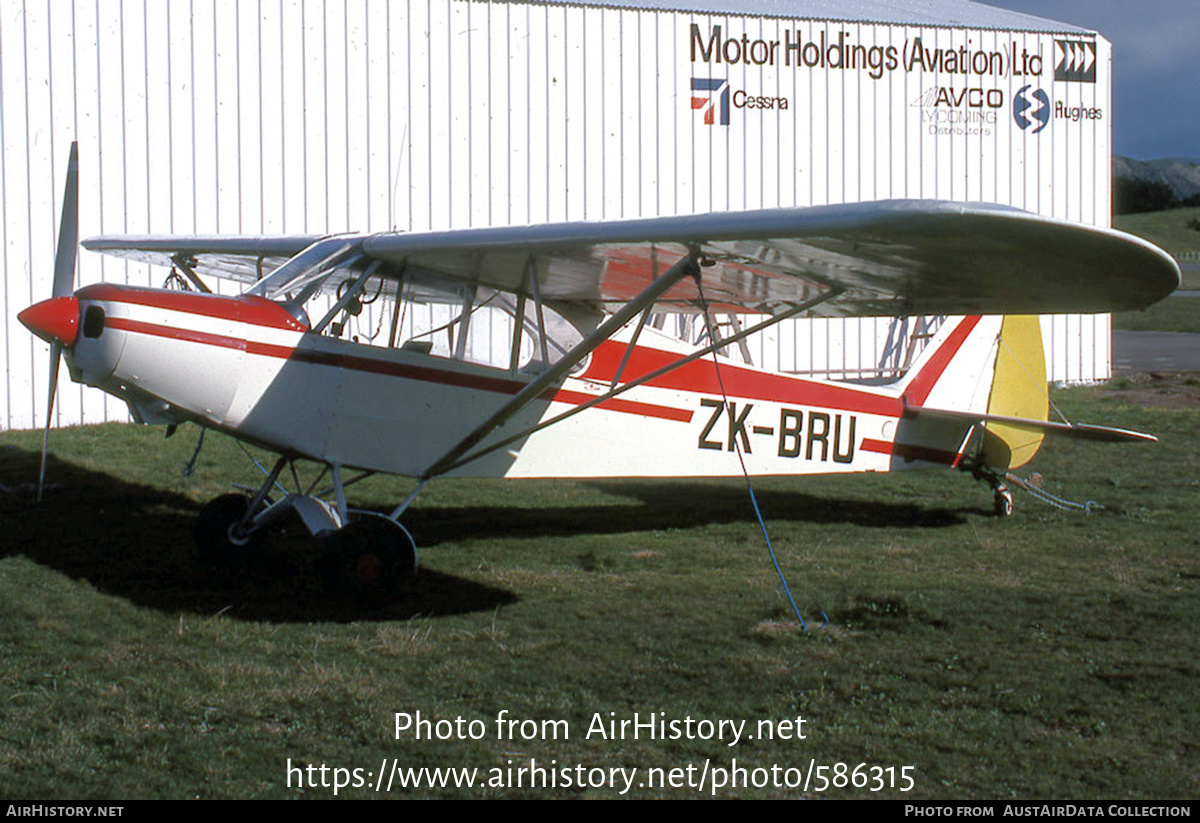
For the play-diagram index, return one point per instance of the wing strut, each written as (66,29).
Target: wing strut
(637,333)
(645,378)
(184,263)
(531,278)
(687,267)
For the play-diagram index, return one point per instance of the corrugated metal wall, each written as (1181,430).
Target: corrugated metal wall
(290,116)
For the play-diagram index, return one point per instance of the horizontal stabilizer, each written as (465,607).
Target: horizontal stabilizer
(1079,431)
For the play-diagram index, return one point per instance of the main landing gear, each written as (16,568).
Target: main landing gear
(363,559)
(1002,494)
(220,534)
(1002,500)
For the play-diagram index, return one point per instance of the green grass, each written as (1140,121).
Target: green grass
(1169,230)
(1178,314)
(1047,656)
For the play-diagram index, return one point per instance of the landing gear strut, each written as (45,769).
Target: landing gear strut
(219,533)
(363,559)
(1002,495)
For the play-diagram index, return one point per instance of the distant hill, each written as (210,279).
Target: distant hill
(1153,185)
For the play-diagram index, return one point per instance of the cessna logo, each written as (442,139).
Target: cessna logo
(715,96)
(1031,109)
(719,98)
(1075,61)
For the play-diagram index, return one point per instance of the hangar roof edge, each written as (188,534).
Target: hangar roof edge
(950,13)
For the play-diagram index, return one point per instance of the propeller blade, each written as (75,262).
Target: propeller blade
(55,358)
(68,231)
(64,286)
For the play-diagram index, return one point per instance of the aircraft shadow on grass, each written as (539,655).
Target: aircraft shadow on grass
(135,541)
(670,504)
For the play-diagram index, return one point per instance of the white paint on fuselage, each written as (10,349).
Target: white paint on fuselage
(399,411)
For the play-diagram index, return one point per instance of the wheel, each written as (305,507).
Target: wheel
(1002,502)
(364,560)
(214,534)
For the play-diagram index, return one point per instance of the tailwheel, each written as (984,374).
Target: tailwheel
(367,558)
(1002,501)
(218,535)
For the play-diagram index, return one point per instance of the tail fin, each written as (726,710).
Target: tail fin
(981,368)
(1018,390)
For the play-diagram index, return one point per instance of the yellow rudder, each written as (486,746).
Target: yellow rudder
(1018,390)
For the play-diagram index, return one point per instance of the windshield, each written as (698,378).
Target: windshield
(303,273)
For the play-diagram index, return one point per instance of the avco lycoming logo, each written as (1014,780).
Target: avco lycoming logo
(1031,109)
(717,95)
(1075,61)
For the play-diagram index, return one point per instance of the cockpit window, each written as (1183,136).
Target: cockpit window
(297,279)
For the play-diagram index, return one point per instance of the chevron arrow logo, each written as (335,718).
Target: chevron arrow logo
(1075,61)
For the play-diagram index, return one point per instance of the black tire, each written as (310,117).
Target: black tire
(213,532)
(1002,502)
(363,561)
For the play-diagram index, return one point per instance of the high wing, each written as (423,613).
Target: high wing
(242,258)
(900,257)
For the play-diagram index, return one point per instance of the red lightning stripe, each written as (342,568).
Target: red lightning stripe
(931,372)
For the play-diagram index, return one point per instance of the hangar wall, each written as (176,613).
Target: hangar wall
(299,116)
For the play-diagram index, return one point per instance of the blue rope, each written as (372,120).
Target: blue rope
(770,549)
(1087,507)
(745,472)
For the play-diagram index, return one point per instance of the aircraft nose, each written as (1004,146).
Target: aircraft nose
(55,320)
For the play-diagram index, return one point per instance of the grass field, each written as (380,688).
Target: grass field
(1050,655)
(1178,314)
(1168,229)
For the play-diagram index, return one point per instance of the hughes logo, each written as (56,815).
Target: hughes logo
(1031,109)
(719,99)
(715,95)
(1075,61)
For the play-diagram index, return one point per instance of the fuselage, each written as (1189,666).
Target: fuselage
(247,366)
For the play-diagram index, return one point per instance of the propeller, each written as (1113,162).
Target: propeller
(57,320)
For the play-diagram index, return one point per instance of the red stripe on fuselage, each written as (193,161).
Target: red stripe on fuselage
(877,446)
(700,377)
(390,369)
(187,335)
(257,311)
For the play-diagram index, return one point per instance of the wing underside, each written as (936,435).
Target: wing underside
(882,258)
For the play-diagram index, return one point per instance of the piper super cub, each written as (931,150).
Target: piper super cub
(587,386)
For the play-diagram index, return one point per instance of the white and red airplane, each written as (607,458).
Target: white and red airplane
(589,388)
